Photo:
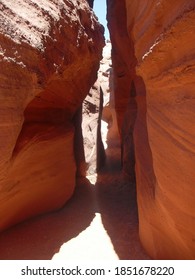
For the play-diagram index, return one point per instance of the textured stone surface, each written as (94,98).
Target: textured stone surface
(49,55)
(91,126)
(95,107)
(159,40)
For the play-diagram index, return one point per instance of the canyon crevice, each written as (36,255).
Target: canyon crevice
(53,106)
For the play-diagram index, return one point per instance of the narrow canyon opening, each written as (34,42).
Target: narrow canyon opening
(103,208)
(97,162)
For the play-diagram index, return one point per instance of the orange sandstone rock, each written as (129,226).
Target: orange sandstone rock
(93,112)
(123,61)
(163,47)
(49,56)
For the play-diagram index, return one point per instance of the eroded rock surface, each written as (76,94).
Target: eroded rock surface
(153,60)
(49,56)
(95,105)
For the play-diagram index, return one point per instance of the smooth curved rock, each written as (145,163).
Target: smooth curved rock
(49,56)
(162,43)
(167,227)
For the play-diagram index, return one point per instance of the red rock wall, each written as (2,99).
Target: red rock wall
(91,127)
(163,44)
(49,56)
(97,116)
(123,61)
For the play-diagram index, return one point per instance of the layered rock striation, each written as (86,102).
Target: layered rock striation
(153,59)
(49,56)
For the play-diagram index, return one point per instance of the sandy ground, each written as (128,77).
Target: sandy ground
(99,223)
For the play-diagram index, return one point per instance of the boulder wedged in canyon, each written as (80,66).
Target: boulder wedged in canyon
(161,55)
(49,57)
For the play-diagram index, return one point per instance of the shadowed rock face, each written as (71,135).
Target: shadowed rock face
(123,60)
(49,56)
(153,60)
(90,3)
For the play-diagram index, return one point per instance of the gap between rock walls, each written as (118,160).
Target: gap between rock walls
(148,102)
(43,150)
(127,145)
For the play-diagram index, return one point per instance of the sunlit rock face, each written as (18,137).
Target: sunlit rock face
(153,53)
(97,115)
(105,77)
(49,56)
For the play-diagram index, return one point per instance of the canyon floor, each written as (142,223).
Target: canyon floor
(100,222)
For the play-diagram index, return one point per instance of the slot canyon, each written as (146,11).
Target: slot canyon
(97,136)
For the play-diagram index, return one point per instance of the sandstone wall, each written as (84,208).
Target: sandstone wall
(160,41)
(123,61)
(96,110)
(49,56)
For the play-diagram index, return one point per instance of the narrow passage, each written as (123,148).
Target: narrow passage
(99,223)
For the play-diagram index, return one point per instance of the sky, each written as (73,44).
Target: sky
(100,11)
